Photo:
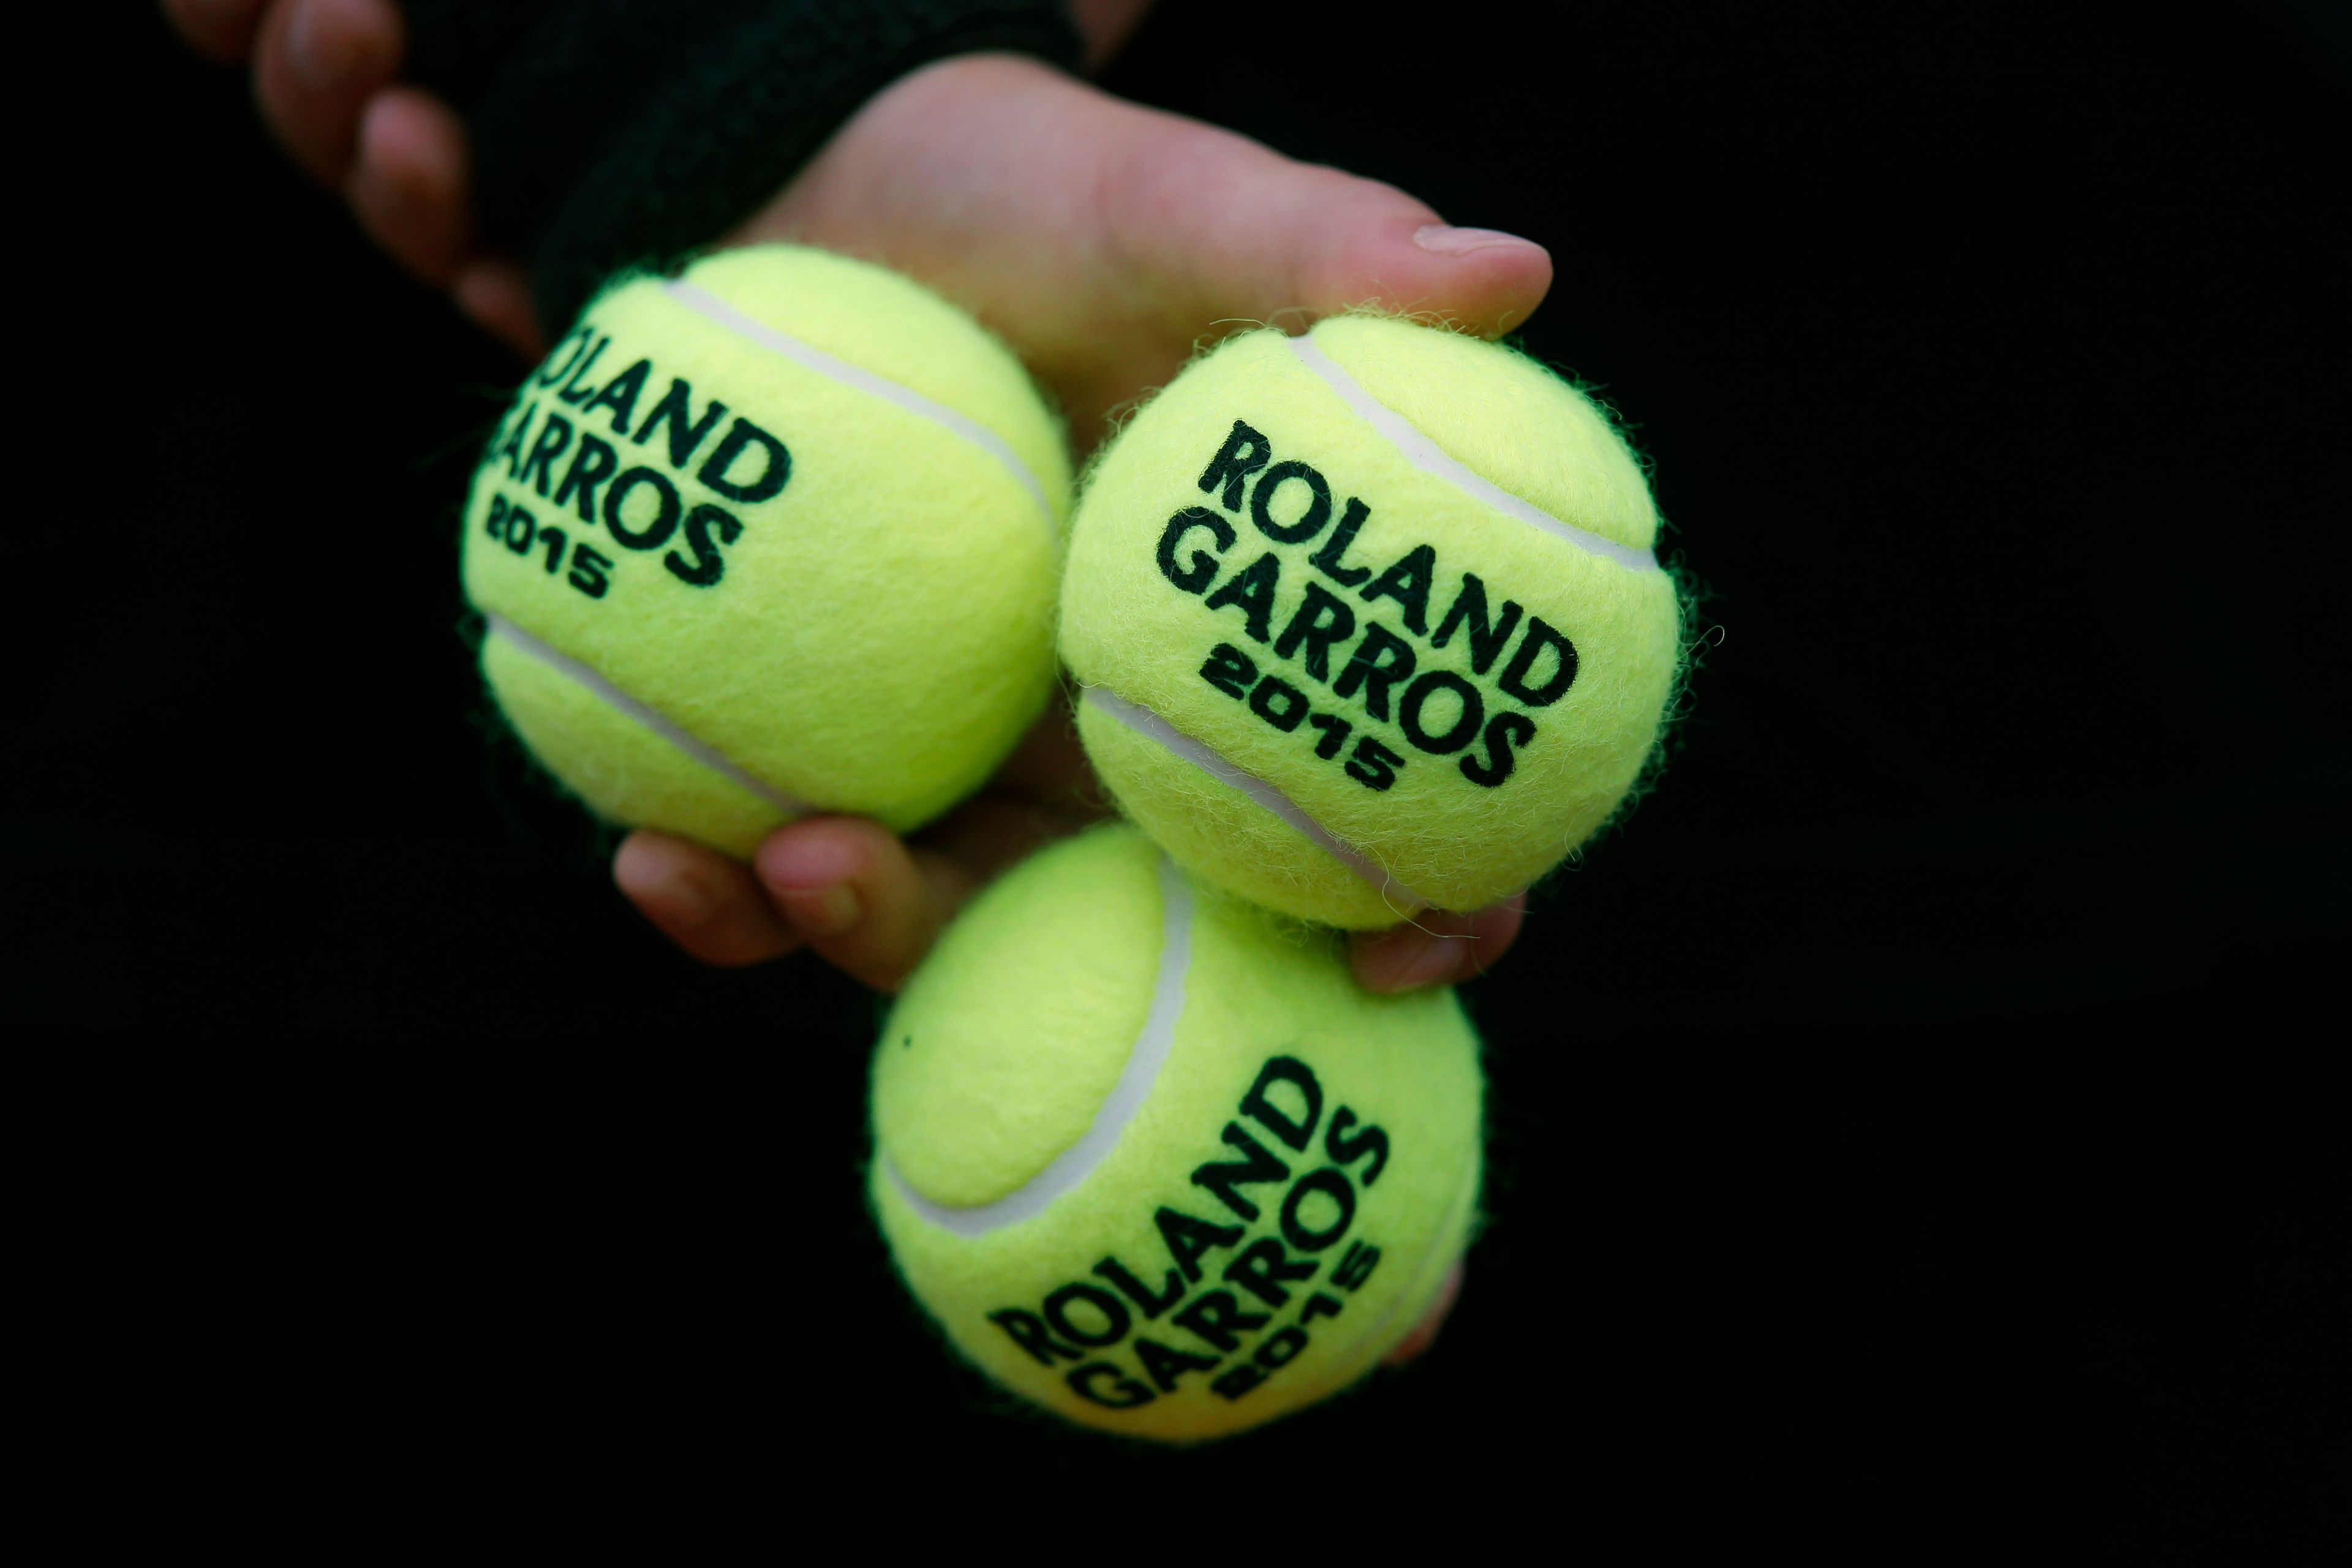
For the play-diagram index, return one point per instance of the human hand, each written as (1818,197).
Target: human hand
(1101,240)
(325,79)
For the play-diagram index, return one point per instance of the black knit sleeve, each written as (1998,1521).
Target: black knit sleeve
(607,133)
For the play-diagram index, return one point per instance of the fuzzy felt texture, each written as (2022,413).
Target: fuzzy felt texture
(1076,943)
(841,598)
(620,769)
(1143,1302)
(1255,564)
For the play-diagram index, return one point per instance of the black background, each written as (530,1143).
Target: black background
(1920,1117)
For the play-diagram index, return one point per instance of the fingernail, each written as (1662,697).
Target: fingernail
(823,911)
(1443,239)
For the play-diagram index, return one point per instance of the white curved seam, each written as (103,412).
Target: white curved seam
(1074,1164)
(621,702)
(712,307)
(1430,459)
(1152,726)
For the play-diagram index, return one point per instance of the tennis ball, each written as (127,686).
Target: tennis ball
(1369,619)
(777,535)
(1151,1159)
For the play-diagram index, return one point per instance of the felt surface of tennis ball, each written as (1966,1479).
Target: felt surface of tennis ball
(1151,1159)
(1369,619)
(779,534)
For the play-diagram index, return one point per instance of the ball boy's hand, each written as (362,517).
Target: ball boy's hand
(1099,239)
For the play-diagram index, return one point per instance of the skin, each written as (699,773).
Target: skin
(1100,238)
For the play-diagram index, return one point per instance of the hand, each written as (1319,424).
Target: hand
(1102,239)
(324,77)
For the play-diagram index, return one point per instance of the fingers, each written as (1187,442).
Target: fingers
(409,189)
(1495,278)
(1103,240)
(316,64)
(495,295)
(864,898)
(1253,234)
(1225,233)
(408,184)
(1424,1334)
(1373,244)
(1435,948)
(710,906)
(323,71)
(218,29)
(870,903)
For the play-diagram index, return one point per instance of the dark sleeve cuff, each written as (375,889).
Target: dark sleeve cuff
(611,132)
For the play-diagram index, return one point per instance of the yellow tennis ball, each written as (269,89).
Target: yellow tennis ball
(1151,1158)
(1369,619)
(779,534)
